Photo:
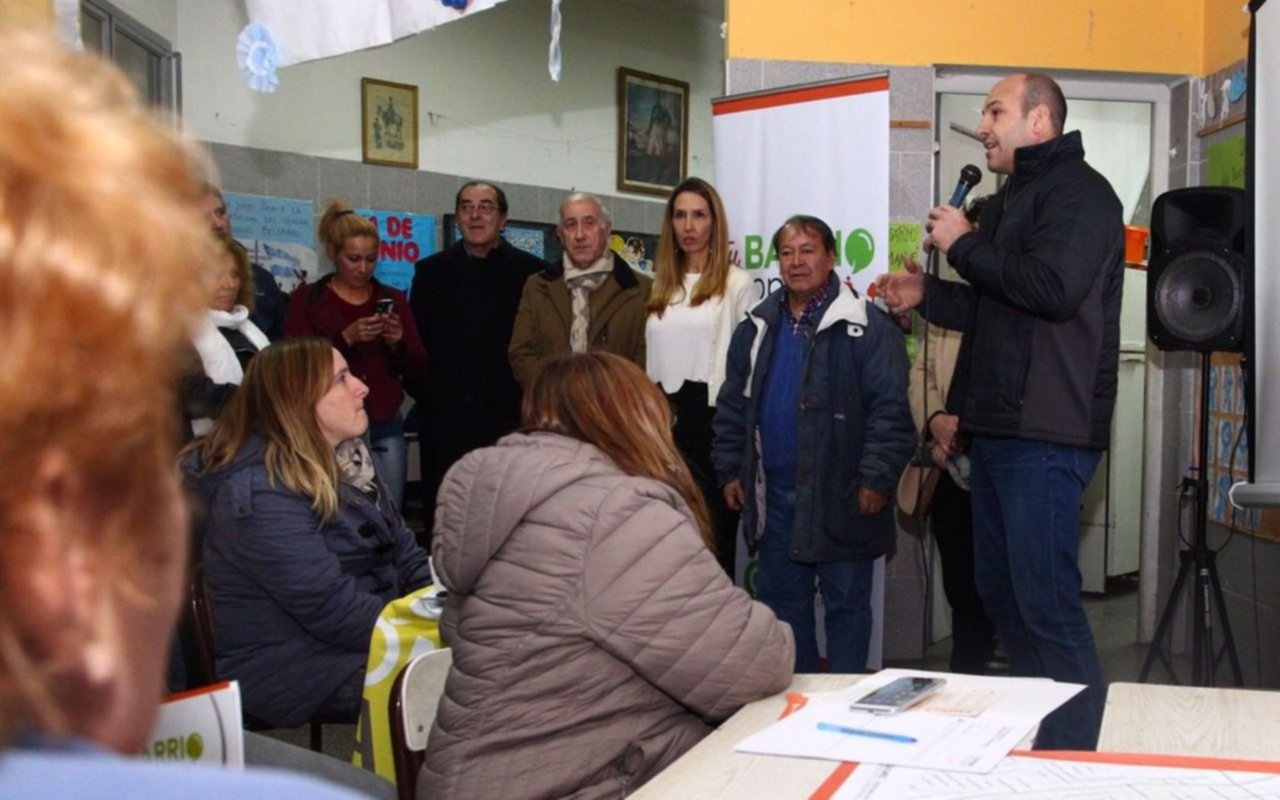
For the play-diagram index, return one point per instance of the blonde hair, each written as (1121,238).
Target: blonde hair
(277,401)
(340,223)
(670,264)
(607,401)
(93,314)
(244,297)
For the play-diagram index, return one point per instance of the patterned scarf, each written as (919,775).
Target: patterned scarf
(581,284)
(355,466)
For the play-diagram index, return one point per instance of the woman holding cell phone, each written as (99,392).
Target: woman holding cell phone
(370,324)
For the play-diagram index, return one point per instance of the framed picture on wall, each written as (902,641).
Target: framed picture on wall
(653,132)
(389,118)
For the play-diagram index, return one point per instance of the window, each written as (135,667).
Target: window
(147,59)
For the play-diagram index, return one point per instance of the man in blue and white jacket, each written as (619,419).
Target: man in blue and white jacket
(813,421)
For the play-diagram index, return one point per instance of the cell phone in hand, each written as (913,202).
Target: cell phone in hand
(898,695)
(383,305)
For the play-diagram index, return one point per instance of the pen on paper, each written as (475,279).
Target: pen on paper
(888,737)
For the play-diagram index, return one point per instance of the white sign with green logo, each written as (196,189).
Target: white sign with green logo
(819,149)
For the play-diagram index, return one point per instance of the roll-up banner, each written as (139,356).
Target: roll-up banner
(820,149)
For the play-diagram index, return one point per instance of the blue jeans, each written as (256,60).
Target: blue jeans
(787,588)
(390,455)
(1026,534)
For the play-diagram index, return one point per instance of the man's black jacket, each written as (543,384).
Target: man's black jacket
(1041,311)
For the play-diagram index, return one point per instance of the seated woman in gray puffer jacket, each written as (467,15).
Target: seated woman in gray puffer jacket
(595,637)
(302,544)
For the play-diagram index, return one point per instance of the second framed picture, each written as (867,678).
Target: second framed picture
(653,132)
(389,116)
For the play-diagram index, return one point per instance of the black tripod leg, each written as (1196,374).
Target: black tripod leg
(1229,641)
(1166,619)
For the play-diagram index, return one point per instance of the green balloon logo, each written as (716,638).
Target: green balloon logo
(195,747)
(859,249)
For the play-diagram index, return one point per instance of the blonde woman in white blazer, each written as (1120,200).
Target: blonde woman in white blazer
(698,299)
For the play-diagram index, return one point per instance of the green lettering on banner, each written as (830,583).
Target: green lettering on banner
(751,252)
(904,240)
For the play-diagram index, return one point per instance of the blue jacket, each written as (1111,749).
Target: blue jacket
(295,601)
(855,427)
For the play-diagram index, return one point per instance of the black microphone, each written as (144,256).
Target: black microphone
(970,177)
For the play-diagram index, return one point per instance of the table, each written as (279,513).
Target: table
(1139,718)
(1191,721)
(712,769)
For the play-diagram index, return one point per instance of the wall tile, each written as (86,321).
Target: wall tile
(346,179)
(911,93)
(911,140)
(392,188)
(240,169)
(524,201)
(910,189)
(290,174)
(629,215)
(744,75)
(436,191)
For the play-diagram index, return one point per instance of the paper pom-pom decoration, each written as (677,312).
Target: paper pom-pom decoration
(257,56)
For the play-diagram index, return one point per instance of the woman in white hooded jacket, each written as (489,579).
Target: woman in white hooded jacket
(226,338)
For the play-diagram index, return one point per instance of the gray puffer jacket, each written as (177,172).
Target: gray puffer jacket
(595,639)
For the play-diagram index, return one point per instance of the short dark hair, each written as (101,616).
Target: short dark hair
(502,196)
(807,224)
(1038,88)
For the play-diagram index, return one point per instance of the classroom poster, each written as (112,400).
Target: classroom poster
(279,234)
(1226,163)
(404,238)
(1226,423)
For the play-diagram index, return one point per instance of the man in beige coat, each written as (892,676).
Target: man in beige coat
(590,301)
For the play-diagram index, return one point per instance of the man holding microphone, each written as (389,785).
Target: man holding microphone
(1040,314)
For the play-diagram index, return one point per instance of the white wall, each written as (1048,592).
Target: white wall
(486,103)
(161,16)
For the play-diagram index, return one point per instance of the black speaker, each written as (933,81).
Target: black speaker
(1195,276)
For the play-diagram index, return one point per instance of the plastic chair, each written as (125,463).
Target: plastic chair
(415,696)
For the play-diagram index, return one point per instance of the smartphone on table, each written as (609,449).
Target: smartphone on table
(898,695)
(383,305)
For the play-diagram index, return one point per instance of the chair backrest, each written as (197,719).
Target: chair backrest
(415,695)
(202,619)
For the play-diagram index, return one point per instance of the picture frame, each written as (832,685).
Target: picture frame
(653,132)
(389,123)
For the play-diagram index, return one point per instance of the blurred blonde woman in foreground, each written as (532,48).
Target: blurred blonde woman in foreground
(93,531)
(595,637)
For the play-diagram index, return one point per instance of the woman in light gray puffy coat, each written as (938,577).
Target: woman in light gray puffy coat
(595,637)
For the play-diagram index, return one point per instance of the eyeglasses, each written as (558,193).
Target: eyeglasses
(485,207)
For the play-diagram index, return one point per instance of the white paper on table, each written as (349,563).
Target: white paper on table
(1049,779)
(943,741)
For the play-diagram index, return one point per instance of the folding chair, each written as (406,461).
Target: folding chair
(415,696)
(202,617)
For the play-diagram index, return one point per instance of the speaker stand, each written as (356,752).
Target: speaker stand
(1201,563)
